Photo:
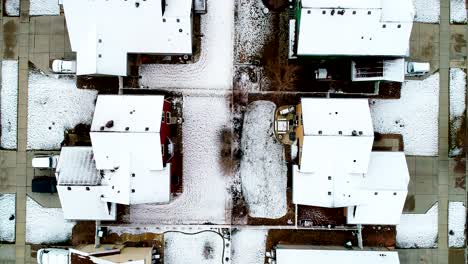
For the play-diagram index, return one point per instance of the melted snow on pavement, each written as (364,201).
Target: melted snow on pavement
(214,68)
(248,246)
(9,104)
(263,169)
(205,196)
(418,230)
(55,105)
(46,225)
(414,115)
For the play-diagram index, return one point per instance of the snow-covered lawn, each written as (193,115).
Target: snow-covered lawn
(44,8)
(248,246)
(46,225)
(457,107)
(7,217)
(206,247)
(263,168)
(458,11)
(214,68)
(414,115)
(9,103)
(418,230)
(55,105)
(205,195)
(12,7)
(427,11)
(456,224)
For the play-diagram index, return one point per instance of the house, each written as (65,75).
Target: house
(112,254)
(337,167)
(102,33)
(285,254)
(374,35)
(129,161)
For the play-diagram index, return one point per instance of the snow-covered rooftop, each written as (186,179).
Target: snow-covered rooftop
(104,32)
(303,256)
(338,170)
(372,28)
(76,166)
(330,116)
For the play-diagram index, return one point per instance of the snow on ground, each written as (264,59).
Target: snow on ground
(205,195)
(214,68)
(253,29)
(418,230)
(46,225)
(9,103)
(12,7)
(44,8)
(456,224)
(414,115)
(458,11)
(55,105)
(427,11)
(248,246)
(263,168)
(206,247)
(457,107)
(7,217)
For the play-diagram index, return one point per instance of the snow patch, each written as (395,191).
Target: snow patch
(206,247)
(458,11)
(456,224)
(414,115)
(46,225)
(205,196)
(457,92)
(418,230)
(55,105)
(214,68)
(7,217)
(248,246)
(263,167)
(44,8)
(427,11)
(12,7)
(9,104)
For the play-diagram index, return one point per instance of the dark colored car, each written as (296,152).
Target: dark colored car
(44,184)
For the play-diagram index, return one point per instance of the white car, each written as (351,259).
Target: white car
(45,161)
(63,66)
(52,256)
(417,68)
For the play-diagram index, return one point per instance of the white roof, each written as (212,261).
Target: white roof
(368,27)
(306,256)
(386,187)
(76,166)
(104,32)
(330,116)
(139,150)
(138,113)
(85,203)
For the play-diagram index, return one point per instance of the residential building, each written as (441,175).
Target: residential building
(103,33)
(129,161)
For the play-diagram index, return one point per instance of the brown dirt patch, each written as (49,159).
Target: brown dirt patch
(320,216)
(379,236)
(83,233)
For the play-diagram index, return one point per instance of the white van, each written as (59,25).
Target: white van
(63,66)
(417,68)
(52,256)
(45,161)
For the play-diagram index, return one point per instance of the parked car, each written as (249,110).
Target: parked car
(63,66)
(417,68)
(52,256)
(44,184)
(45,161)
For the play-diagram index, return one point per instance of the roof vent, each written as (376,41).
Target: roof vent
(110,123)
(101,128)
(354,133)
